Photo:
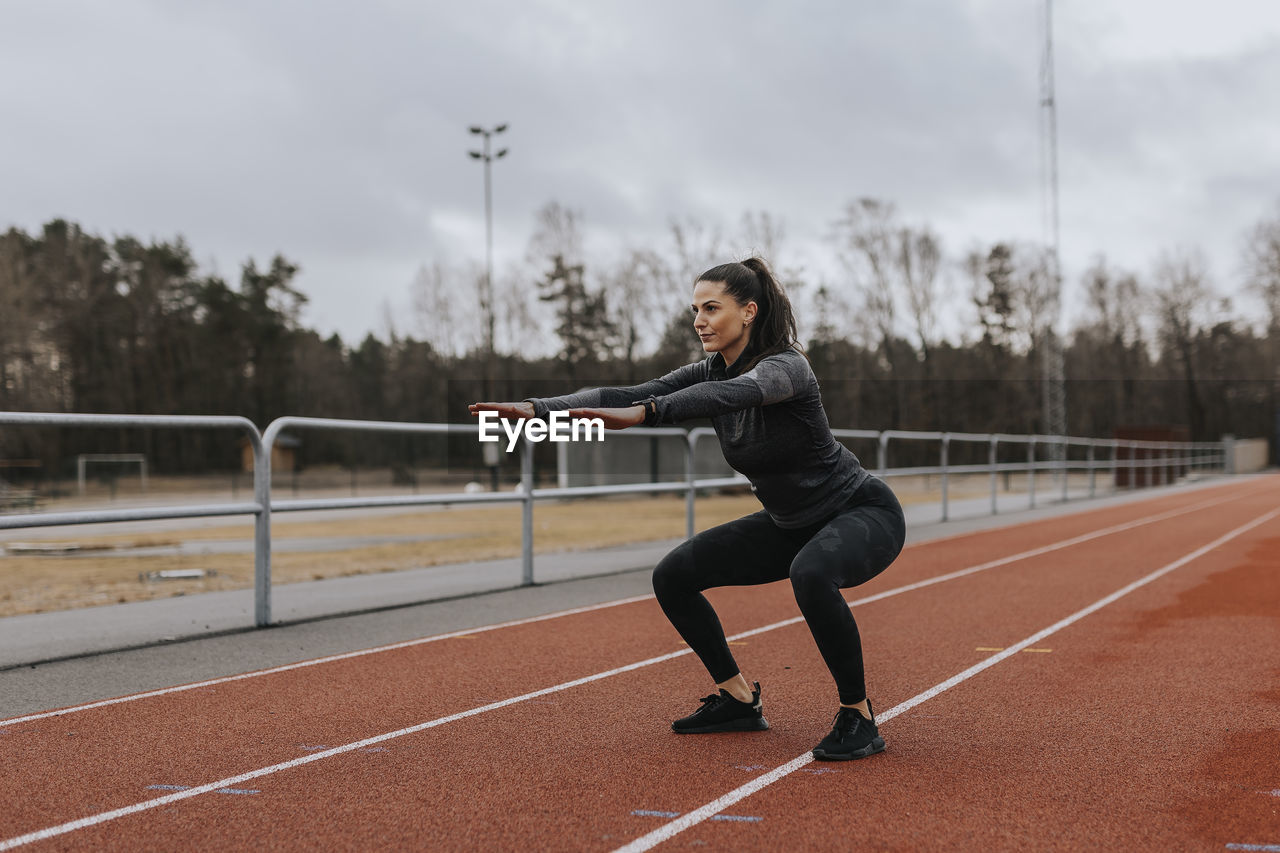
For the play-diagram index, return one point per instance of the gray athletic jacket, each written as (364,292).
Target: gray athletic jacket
(770,422)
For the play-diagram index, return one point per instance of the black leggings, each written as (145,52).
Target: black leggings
(848,549)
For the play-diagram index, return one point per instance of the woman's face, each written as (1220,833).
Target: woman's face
(722,324)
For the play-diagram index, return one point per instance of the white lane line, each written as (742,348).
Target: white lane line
(1035,552)
(697,816)
(103,817)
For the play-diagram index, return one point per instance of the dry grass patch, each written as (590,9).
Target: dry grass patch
(33,584)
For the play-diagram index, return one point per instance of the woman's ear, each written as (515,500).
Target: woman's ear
(749,312)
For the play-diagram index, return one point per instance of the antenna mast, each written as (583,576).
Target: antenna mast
(1055,408)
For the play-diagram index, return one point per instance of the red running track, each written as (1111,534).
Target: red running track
(1102,680)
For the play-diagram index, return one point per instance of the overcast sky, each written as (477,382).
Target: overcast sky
(336,133)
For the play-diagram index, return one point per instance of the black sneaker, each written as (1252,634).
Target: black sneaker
(723,713)
(853,736)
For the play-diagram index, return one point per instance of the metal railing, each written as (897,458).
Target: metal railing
(1158,459)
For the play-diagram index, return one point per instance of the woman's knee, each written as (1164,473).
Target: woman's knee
(813,579)
(673,571)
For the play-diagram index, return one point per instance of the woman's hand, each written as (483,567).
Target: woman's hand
(622,418)
(522,411)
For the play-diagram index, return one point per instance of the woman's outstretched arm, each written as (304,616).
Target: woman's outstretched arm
(624,397)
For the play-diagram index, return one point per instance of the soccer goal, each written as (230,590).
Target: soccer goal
(85,459)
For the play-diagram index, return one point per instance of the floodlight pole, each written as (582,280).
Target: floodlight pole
(487,299)
(486,296)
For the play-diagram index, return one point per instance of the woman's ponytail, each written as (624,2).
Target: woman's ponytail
(774,328)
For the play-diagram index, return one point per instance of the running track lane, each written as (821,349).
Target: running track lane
(554,737)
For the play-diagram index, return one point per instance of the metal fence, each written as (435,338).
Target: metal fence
(1157,462)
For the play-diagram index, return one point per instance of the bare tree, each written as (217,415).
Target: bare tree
(557,231)
(1038,293)
(1262,259)
(431,295)
(1108,347)
(865,240)
(920,258)
(1262,262)
(1114,303)
(643,293)
(831,316)
(763,234)
(520,317)
(484,331)
(1180,294)
(697,248)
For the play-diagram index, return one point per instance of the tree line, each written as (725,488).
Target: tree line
(903,336)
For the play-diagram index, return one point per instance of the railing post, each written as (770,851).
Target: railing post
(1031,471)
(526,512)
(946,441)
(1093,472)
(991,460)
(691,496)
(882,454)
(1066,466)
(1115,455)
(262,529)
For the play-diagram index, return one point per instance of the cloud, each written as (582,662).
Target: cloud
(335,132)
